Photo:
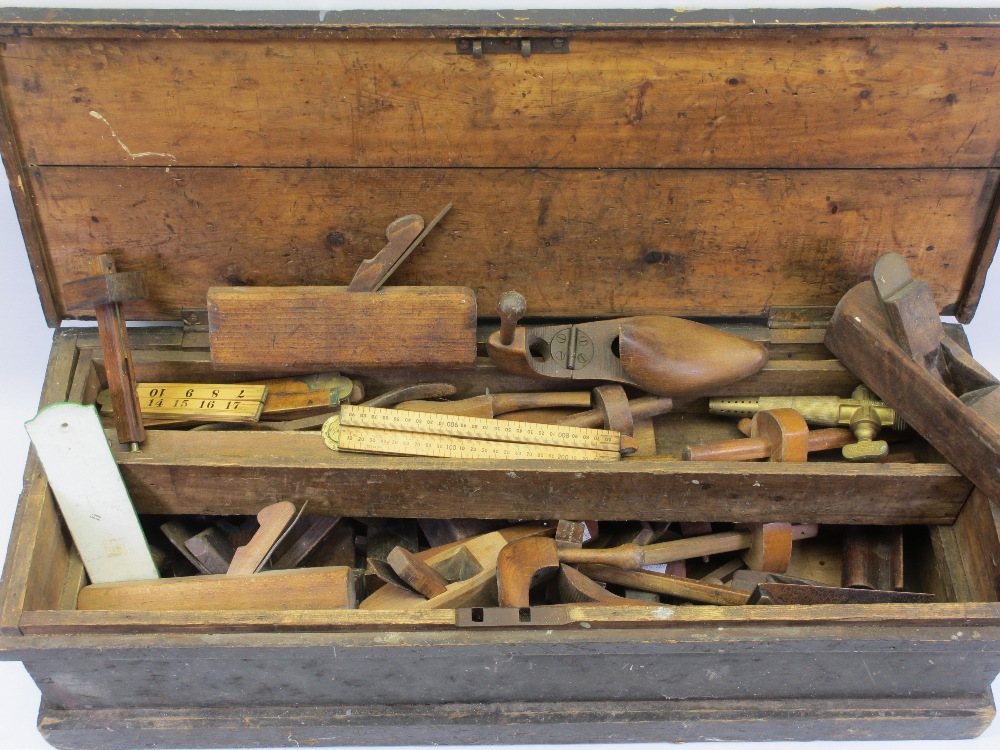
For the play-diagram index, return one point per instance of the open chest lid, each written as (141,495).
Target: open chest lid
(701,164)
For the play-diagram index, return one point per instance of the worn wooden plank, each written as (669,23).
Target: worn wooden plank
(242,621)
(76,579)
(43,586)
(229,472)
(525,663)
(977,532)
(34,501)
(779,377)
(913,97)
(941,572)
(688,720)
(24,203)
(683,242)
(86,383)
(158,24)
(986,249)
(277,590)
(572,617)
(155,23)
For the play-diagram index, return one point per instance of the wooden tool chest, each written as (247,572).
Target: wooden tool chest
(739,168)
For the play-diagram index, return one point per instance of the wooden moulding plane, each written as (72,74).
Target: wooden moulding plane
(358,326)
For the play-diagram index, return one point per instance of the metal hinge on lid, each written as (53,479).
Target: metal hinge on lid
(506,46)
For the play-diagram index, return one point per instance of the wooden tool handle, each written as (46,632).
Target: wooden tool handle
(650,406)
(662,583)
(511,307)
(405,393)
(627,556)
(491,405)
(589,418)
(479,406)
(830,438)
(740,449)
(641,408)
(508,402)
(685,549)
(521,565)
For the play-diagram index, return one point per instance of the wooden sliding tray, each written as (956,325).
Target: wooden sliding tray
(741,168)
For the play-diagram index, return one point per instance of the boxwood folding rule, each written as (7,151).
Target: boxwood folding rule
(372,430)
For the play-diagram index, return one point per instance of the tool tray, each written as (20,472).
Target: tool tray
(738,168)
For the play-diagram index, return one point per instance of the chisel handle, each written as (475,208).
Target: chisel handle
(634,556)
(641,408)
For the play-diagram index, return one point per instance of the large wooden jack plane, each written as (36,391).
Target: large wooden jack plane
(889,333)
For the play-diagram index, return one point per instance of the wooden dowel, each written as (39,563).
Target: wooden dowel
(492,405)
(739,449)
(697,546)
(642,408)
(662,583)
(634,556)
(627,556)
(507,402)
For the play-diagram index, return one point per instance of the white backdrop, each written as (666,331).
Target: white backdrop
(28,339)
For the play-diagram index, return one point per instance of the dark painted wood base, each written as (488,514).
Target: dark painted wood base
(465,724)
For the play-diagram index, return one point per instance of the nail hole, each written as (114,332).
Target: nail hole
(524,614)
(477,614)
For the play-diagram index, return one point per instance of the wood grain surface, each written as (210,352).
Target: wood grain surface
(691,171)
(228,472)
(907,98)
(314,327)
(278,590)
(861,336)
(544,722)
(602,243)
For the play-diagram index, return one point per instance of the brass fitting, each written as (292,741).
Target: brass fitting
(863,412)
